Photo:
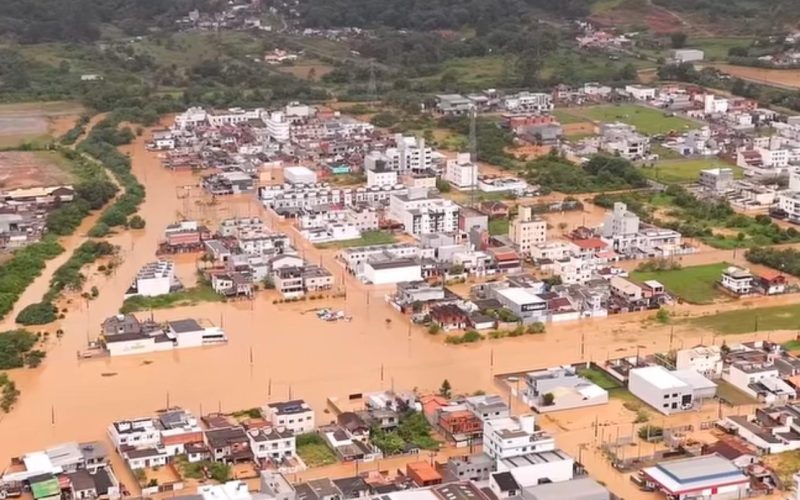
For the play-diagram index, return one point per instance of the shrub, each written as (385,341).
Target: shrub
(136,222)
(537,327)
(548,399)
(40,313)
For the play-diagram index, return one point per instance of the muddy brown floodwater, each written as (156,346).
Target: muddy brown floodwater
(293,353)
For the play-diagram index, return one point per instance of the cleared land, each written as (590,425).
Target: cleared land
(695,284)
(33,122)
(646,120)
(785,78)
(306,69)
(20,169)
(685,171)
(498,226)
(750,320)
(716,48)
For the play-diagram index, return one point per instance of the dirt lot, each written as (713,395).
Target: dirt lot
(784,78)
(657,19)
(20,169)
(578,129)
(35,121)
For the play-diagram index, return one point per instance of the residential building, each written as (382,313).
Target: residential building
(771,430)
(294,415)
(487,406)
(134,433)
(299,175)
(737,280)
(623,140)
(527,230)
(506,437)
(461,172)
(469,218)
(410,154)
(706,360)
(296,281)
(716,180)
(423,474)
(423,214)
(453,104)
(789,203)
(567,389)
(272,443)
(231,490)
(707,476)
(528,101)
(761,381)
(229,445)
(381,176)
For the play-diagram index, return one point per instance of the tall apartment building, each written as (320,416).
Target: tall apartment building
(527,230)
(422,214)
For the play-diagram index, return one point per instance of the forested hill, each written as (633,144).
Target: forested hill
(33,21)
(429,14)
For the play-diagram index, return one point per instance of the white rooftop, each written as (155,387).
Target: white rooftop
(659,377)
(520,295)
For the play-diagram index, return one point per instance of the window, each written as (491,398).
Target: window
(666,396)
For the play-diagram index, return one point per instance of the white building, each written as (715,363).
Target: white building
(759,381)
(568,390)
(536,468)
(623,140)
(299,175)
(687,55)
(135,433)
(527,230)
(278,127)
(641,92)
(737,280)
(514,436)
(528,101)
(294,415)
(410,154)
(789,202)
(716,180)
(422,214)
(379,177)
(461,172)
(706,360)
(661,389)
(273,443)
(155,278)
(623,231)
(386,272)
(232,490)
(707,477)
(714,104)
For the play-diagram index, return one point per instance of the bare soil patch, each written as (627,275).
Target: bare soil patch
(20,169)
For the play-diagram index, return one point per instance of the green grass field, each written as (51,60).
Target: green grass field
(367,238)
(498,227)
(695,284)
(600,378)
(565,116)
(750,320)
(729,393)
(716,48)
(685,171)
(646,120)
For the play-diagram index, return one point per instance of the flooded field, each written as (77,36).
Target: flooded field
(276,351)
(23,169)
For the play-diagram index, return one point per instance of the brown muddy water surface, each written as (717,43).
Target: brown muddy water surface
(293,353)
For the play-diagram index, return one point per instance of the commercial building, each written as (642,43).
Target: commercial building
(379,272)
(528,101)
(535,468)
(155,278)
(526,305)
(687,55)
(669,391)
(527,230)
(706,360)
(708,477)
(453,104)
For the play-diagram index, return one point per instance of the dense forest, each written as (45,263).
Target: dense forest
(482,15)
(34,21)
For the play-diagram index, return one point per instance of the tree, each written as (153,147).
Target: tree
(446,391)
(312,74)
(434,328)
(662,316)
(548,399)
(536,327)
(40,313)
(442,185)
(136,222)
(678,39)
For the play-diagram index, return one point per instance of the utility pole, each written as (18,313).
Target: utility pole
(473,154)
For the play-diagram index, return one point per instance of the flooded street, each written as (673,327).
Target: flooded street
(293,353)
